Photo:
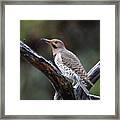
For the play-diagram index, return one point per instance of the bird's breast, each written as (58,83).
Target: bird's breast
(66,71)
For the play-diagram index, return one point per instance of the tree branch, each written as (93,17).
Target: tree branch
(94,74)
(59,82)
(62,85)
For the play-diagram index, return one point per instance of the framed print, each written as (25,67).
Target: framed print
(60,60)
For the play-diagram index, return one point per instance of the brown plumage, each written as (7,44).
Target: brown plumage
(67,62)
(71,61)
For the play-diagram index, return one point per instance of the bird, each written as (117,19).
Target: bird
(68,63)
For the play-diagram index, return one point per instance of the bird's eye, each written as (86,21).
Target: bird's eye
(56,42)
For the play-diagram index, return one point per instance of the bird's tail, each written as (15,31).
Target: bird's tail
(90,82)
(81,84)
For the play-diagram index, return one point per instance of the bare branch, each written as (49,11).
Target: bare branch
(59,82)
(94,74)
(63,87)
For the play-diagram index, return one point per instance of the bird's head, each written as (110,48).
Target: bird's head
(55,44)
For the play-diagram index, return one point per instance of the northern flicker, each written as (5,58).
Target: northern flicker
(68,63)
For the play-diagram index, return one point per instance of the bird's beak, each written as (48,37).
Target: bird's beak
(46,40)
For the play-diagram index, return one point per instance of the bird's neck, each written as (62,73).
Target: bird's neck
(55,51)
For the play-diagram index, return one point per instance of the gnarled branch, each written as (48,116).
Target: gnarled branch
(62,85)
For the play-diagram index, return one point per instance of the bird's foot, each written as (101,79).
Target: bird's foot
(75,86)
(84,83)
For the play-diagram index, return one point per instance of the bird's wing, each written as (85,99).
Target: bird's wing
(71,61)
